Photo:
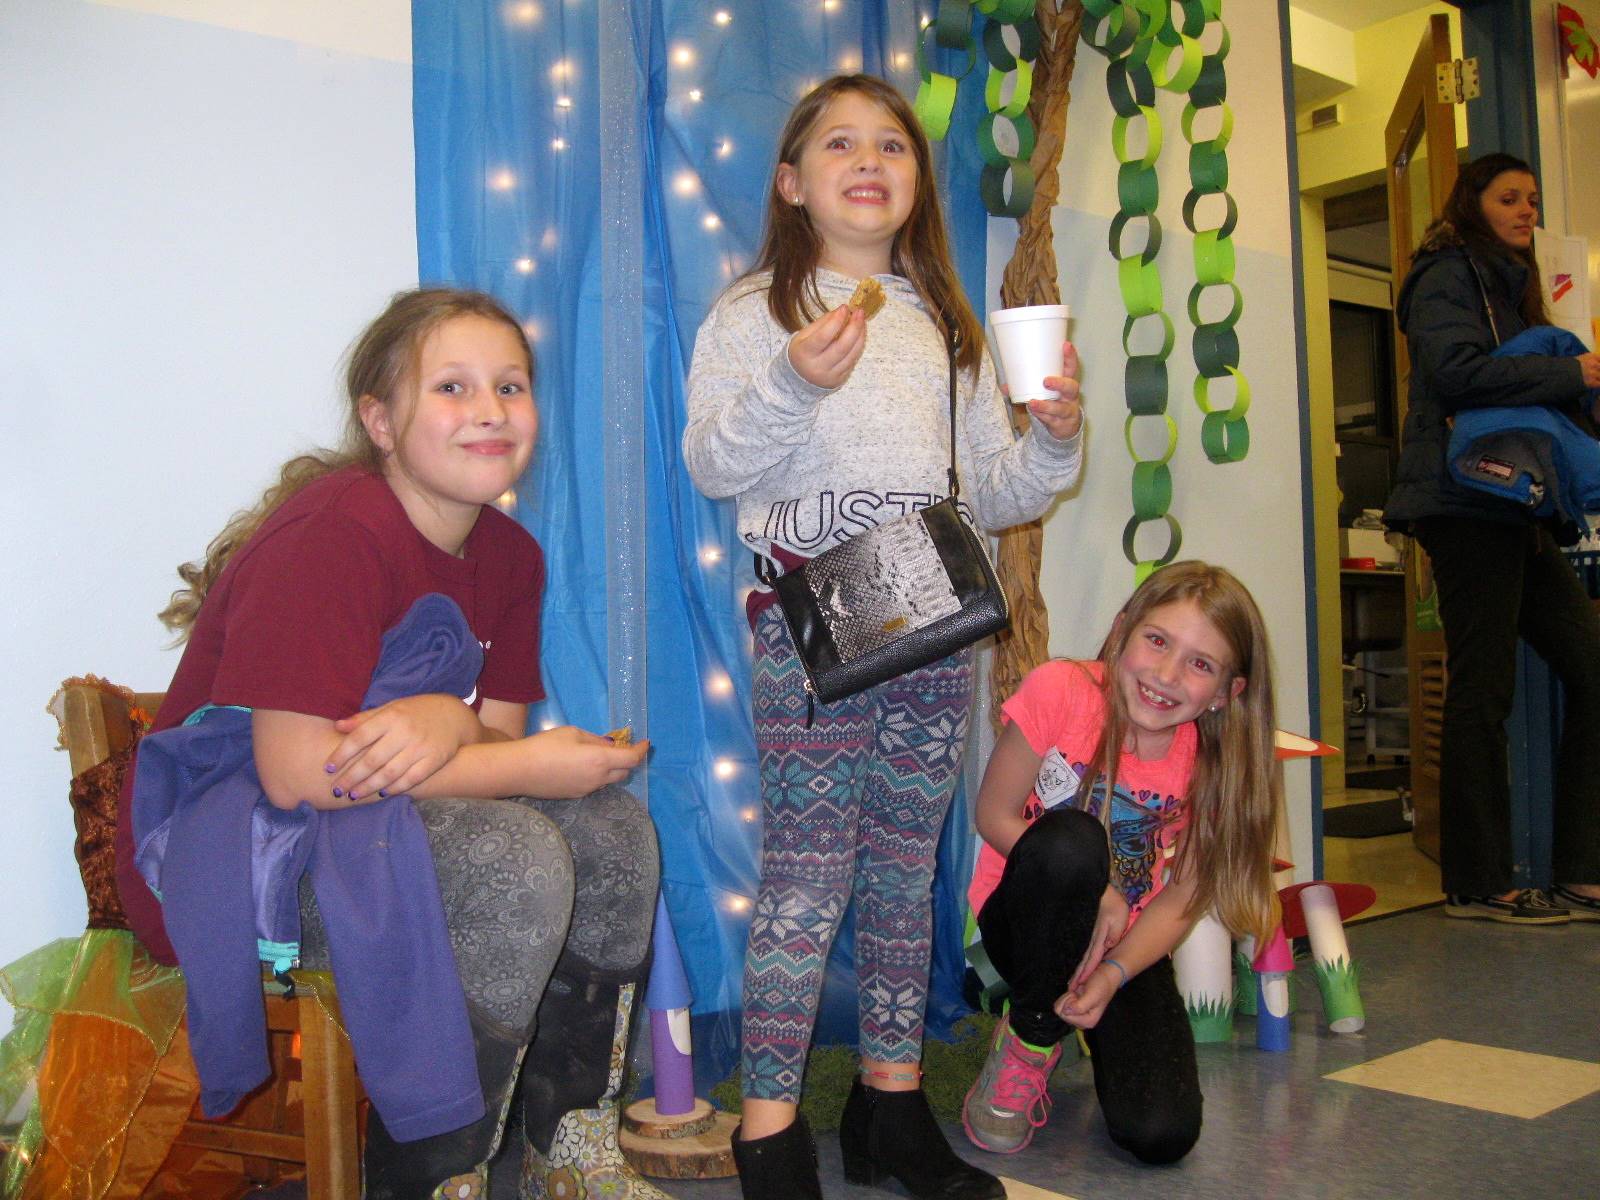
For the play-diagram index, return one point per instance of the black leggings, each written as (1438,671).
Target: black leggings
(1036,926)
(1496,582)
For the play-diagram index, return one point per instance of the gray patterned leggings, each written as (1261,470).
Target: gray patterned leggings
(526,883)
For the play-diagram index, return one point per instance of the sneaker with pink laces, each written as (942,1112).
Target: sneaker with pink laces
(1011,1098)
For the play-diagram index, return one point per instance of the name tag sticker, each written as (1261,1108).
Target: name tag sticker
(1057,782)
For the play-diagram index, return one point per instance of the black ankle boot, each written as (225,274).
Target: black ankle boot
(780,1166)
(894,1133)
(412,1170)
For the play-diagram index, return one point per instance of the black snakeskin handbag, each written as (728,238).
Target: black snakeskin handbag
(899,596)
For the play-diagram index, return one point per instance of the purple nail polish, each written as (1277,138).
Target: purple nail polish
(382,795)
(329,768)
(338,791)
(352,796)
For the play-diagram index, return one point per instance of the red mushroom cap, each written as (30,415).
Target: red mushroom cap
(1352,898)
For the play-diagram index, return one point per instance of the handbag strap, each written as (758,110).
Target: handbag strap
(1484,292)
(766,570)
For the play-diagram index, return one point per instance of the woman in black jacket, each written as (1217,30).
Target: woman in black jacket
(1499,572)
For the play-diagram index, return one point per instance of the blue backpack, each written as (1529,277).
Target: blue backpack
(1534,456)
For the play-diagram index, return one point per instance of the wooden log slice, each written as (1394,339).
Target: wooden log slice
(696,1145)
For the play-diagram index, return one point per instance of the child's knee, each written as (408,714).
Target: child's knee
(623,821)
(1158,1138)
(504,838)
(1063,845)
(620,807)
(610,834)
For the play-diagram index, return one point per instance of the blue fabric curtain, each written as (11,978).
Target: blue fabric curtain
(602,167)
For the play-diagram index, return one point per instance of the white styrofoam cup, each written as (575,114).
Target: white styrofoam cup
(1029,344)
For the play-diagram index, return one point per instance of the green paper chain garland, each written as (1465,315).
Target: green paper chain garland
(1006,136)
(1145,50)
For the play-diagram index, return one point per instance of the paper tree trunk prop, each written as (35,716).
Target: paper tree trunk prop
(1204,971)
(668,999)
(1273,968)
(1030,278)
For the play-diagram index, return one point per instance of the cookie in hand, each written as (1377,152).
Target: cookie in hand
(868,297)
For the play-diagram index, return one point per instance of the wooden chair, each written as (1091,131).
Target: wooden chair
(95,724)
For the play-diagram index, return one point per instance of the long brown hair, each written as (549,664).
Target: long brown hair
(791,247)
(1236,789)
(1463,216)
(380,361)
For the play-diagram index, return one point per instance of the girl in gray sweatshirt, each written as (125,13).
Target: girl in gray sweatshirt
(820,431)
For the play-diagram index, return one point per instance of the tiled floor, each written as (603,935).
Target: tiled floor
(1475,1079)
(1512,1082)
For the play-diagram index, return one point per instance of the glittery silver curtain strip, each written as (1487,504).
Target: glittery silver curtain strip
(622,381)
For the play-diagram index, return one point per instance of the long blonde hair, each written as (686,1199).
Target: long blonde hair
(791,248)
(382,358)
(1236,789)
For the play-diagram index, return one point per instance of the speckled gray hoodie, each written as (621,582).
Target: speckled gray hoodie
(813,467)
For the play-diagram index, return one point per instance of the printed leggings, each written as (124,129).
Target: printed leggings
(1036,926)
(539,896)
(852,807)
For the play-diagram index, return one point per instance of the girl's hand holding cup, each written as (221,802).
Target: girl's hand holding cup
(1063,417)
(1026,340)
(826,351)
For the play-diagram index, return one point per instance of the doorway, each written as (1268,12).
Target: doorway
(1349,205)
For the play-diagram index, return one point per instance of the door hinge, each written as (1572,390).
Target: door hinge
(1457,82)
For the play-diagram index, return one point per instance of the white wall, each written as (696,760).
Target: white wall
(202,205)
(1245,516)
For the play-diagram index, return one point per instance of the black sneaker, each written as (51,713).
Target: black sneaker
(1530,906)
(1583,908)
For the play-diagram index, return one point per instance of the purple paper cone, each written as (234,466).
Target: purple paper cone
(674,1068)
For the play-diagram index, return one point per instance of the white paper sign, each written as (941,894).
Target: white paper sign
(1564,266)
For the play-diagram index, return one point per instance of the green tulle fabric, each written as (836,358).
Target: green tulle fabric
(101,980)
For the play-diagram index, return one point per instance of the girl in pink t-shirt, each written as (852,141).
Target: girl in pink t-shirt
(1174,723)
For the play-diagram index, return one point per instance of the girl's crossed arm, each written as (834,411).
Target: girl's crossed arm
(294,750)
(395,746)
